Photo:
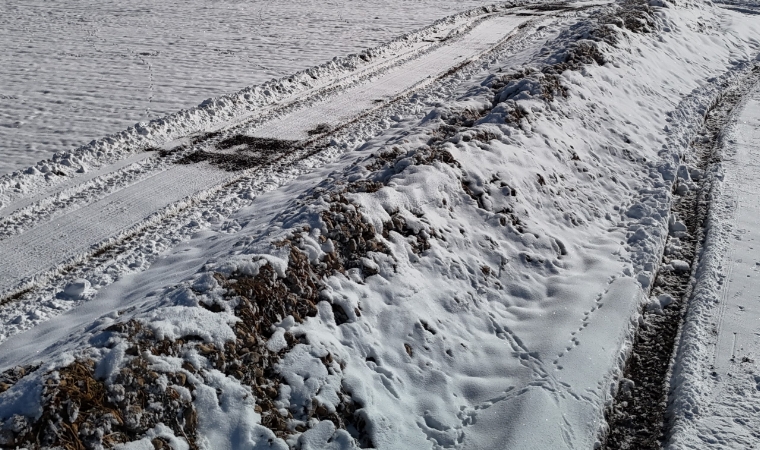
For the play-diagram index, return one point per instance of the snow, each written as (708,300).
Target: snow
(80,71)
(512,328)
(415,74)
(76,289)
(176,322)
(717,388)
(71,235)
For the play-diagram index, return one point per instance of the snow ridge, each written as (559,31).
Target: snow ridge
(494,254)
(216,113)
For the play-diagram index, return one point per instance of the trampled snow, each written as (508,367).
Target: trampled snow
(717,373)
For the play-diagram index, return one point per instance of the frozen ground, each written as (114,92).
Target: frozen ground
(79,70)
(460,263)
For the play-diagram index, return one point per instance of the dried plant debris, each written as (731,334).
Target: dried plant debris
(11,376)
(545,83)
(83,412)
(350,237)
(384,159)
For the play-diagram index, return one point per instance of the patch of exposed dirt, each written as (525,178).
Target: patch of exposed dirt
(550,7)
(256,144)
(322,128)
(82,412)
(242,152)
(634,15)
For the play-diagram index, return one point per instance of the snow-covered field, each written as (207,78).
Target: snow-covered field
(447,242)
(78,70)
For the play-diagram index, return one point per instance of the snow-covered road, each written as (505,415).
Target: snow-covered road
(69,235)
(739,321)
(80,70)
(415,74)
(718,387)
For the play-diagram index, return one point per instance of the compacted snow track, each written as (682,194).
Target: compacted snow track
(717,387)
(414,74)
(66,237)
(48,241)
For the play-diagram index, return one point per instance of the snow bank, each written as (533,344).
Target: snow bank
(216,112)
(471,280)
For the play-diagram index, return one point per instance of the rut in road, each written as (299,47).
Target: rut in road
(411,75)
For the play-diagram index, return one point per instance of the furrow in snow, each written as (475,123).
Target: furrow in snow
(716,387)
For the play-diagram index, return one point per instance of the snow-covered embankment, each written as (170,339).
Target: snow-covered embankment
(472,281)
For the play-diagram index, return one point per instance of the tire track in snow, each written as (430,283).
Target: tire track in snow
(48,246)
(73,234)
(413,75)
(297,100)
(77,183)
(637,418)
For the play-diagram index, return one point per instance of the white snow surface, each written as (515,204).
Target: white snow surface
(80,70)
(35,249)
(514,338)
(717,373)
(123,150)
